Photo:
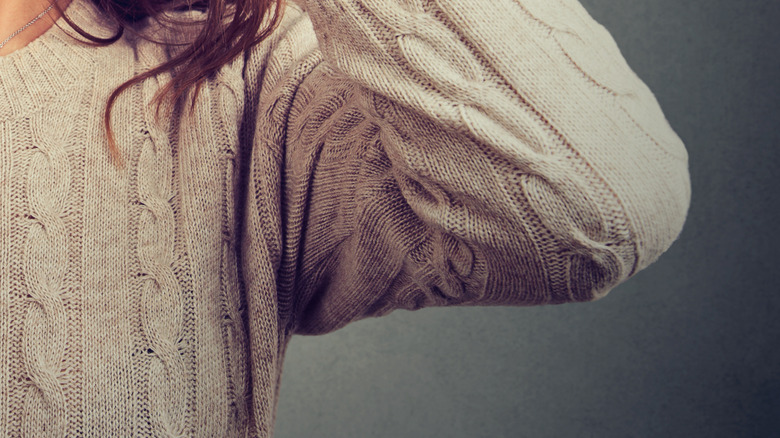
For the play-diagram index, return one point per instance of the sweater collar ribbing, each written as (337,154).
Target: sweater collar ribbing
(52,63)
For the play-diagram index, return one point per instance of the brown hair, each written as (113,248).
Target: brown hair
(229,28)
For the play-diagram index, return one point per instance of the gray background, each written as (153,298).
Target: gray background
(687,348)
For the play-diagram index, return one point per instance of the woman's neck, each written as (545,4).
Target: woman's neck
(15,14)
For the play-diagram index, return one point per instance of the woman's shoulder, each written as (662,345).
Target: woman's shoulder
(160,38)
(165,35)
(271,62)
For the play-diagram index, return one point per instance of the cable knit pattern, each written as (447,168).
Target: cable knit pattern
(162,307)
(46,328)
(233,306)
(370,155)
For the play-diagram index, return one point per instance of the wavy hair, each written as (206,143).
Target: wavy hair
(229,28)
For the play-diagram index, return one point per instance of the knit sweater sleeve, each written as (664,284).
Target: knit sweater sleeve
(462,152)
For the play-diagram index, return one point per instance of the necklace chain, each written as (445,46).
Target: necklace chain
(26,25)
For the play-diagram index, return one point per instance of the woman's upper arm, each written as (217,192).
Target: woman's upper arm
(459,154)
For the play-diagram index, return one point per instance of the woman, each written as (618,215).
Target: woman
(184,187)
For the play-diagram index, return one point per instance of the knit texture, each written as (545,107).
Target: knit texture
(371,155)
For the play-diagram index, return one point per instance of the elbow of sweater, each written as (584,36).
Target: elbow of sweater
(655,206)
(658,223)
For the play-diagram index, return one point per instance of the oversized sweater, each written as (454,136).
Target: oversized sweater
(370,155)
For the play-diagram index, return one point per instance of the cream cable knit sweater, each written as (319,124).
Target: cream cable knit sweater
(372,155)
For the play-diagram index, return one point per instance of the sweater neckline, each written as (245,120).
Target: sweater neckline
(52,63)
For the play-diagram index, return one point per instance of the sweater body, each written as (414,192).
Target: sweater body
(369,156)
(121,312)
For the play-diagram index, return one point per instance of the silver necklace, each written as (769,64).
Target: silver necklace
(26,26)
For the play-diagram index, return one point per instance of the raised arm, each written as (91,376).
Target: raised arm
(465,152)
